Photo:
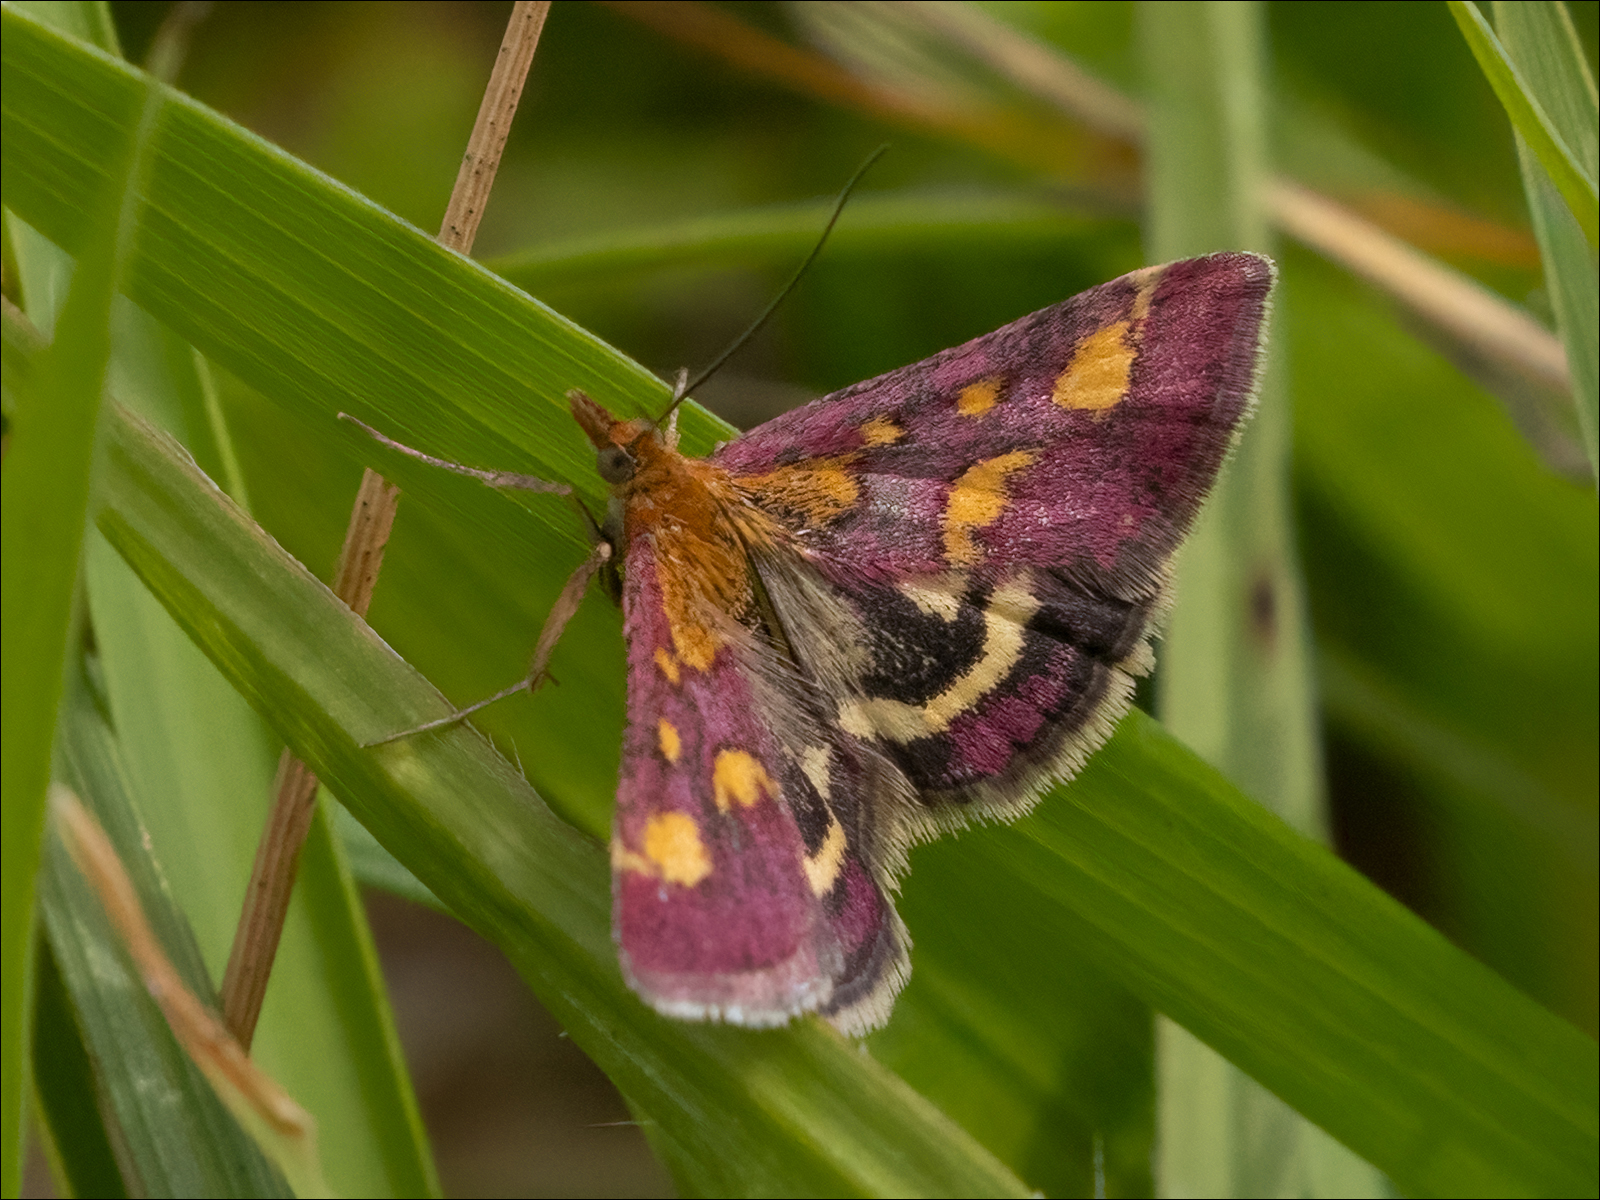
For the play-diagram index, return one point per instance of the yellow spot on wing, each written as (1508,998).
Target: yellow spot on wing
(739,778)
(696,642)
(881,431)
(671,743)
(822,868)
(820,489)
(977,499)
(668,665)
(1097,377)
(1005,619)
(978,398)
(672,846)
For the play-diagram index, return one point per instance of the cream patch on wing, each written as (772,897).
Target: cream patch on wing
(822,868)
(1005,620)
(814,762)
(939,597)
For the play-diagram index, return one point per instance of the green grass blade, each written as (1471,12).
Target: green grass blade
(1540,39)
(189,739)
(68,1106)
(1570,280)
(1541,36)
(355,1069)
(1234,680)
(874,223)
(44,496)
(173,1134)
(87,20)
(373,866)
(1570,168)
(1270,949)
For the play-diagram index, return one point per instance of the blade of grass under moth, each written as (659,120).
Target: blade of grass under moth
(1234,679)
(1539,37)
(1571,169)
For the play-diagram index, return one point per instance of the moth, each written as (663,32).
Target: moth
(911,604)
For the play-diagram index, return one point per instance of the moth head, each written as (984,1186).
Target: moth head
(616,443)
(615,464)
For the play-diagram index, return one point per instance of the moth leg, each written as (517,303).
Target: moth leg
(561,612)
(494,479)
(563,609)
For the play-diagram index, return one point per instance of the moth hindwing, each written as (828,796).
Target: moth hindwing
(919,600)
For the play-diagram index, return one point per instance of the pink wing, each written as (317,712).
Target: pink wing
(740,892)
(1082,437)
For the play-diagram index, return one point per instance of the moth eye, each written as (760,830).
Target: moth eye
(615,464)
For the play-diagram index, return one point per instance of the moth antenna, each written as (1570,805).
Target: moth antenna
(682,390)
(560,613)
(494,479)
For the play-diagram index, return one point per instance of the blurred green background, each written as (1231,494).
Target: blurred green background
(1451,565)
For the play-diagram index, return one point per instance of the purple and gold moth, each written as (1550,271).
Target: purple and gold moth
(914,603)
